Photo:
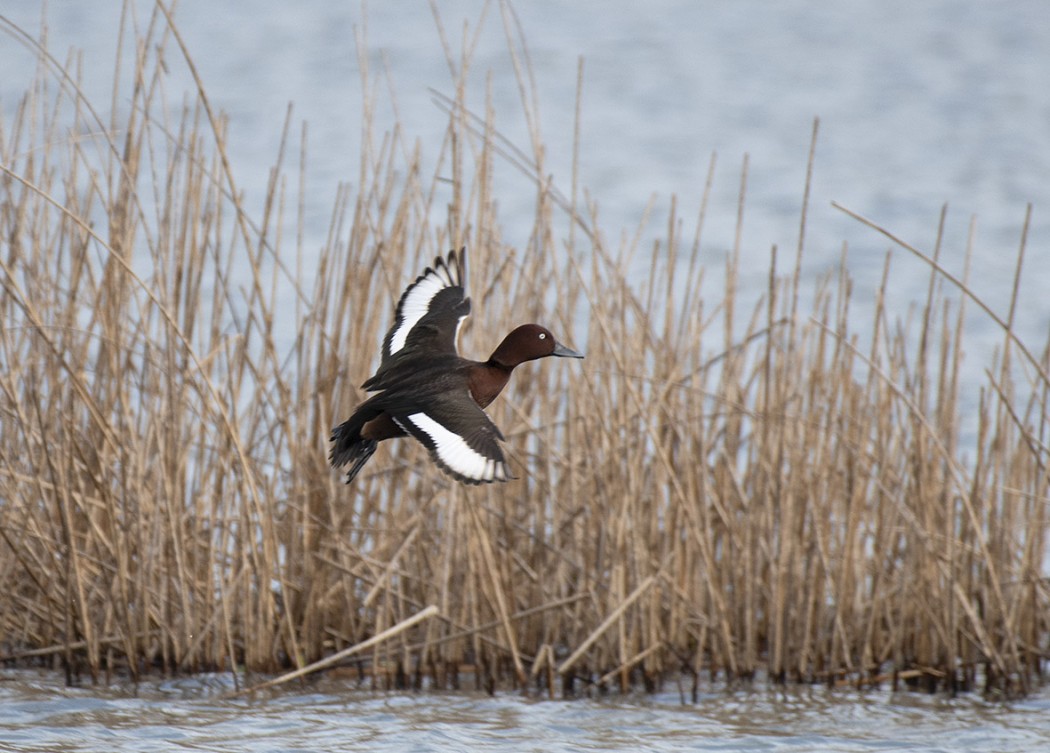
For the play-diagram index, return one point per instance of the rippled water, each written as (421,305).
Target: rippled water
(37,713)
(920,104)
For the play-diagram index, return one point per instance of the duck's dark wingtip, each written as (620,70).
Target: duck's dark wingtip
(457,263)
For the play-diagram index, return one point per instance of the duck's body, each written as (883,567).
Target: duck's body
(426,389)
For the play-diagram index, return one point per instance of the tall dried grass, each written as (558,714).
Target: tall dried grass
(701,496)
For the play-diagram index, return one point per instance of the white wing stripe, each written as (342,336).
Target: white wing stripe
(415,307)
(456,453)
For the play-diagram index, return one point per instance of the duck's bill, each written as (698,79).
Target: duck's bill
(561,350)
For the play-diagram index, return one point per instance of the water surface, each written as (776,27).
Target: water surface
(37,713)
(920,104)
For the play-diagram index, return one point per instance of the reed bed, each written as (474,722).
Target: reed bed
(716,492)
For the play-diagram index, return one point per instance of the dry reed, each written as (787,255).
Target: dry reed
(717,492)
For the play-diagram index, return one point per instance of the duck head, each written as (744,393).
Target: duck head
(527,343)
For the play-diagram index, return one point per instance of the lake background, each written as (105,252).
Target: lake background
(920,104)
(945,103)
(37,713)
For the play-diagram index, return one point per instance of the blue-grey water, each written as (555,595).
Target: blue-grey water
(38,714)
(920,104)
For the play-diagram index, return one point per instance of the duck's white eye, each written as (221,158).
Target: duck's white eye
(543,335)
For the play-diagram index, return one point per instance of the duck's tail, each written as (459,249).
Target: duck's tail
(349,447)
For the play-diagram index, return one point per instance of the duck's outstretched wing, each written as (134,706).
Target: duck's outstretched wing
(431,309)
(461,438)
